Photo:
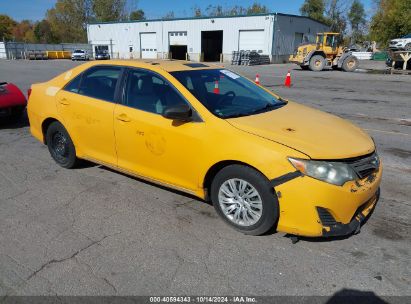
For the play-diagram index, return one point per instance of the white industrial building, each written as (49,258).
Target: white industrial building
(204,39)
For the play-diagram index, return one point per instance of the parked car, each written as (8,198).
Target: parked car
(102,55)
(262,160)
(401,44)
(12,101)
(80,55)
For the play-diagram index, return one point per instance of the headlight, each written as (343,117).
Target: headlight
(331,172)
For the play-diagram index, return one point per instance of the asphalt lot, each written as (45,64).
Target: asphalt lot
(92,231)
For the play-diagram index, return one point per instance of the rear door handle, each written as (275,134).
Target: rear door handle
(64,101)
(123,117)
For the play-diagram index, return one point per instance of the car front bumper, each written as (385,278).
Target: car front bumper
(313,208)
(354,226)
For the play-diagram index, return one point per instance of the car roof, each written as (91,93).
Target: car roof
(164,64)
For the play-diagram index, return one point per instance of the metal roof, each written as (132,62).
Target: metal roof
(204,17)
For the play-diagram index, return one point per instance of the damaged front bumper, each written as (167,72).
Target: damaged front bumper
(354,226)
(313,208)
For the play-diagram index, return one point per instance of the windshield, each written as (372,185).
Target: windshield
(78,51)
(407,36)
(227,94)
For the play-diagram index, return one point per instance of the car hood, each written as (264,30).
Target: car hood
(317,134)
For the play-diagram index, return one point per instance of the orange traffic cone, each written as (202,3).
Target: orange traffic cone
(257,79)
(216,89)
(287,82)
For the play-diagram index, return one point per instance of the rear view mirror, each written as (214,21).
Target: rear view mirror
(180,112)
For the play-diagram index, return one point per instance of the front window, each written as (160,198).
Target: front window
(330,41)
(79,51)
(149,92)
(227,94)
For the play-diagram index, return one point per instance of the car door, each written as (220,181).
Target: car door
(149,144)
(87,106)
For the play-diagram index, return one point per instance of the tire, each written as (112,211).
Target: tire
(317,63)
(265,203)
(61,146)
(408,47)
(350,64)
(16,114)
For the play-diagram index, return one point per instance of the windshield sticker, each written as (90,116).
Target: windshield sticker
(230,74)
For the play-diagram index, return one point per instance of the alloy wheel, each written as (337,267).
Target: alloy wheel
(240,202)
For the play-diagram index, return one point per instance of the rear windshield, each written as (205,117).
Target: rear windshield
(78,51)
(227,94)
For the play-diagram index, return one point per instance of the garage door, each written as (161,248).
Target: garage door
(251,41)
(148,45)
(177,38)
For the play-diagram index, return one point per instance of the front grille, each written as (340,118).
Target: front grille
(325,217)
(365,166)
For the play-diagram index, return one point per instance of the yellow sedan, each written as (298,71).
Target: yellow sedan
(263,161)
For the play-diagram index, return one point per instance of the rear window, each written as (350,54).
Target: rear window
(100,82)
(96,82)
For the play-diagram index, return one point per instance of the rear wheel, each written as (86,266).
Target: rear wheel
(243,197)
(350,64)
(61,146)
(317,63)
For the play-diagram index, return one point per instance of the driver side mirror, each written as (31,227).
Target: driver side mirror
(180,112)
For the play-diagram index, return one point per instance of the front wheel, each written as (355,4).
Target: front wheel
(244,198)
(61,146)
(408,47)
(317,63)
(350,64)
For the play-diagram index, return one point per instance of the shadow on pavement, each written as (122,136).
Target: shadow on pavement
(345,296)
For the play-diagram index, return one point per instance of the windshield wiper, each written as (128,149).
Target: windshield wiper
(266,108)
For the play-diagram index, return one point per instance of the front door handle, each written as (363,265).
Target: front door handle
(123,117)
(64,101)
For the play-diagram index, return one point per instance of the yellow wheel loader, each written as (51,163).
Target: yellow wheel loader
(326,52)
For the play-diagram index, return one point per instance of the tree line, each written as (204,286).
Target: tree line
(391,19)
(67,20)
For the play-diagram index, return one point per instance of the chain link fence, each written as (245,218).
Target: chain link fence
(21,50)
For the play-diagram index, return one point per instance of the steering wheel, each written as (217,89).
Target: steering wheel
(230,95)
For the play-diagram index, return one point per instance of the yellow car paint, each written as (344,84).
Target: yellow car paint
(180,155)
